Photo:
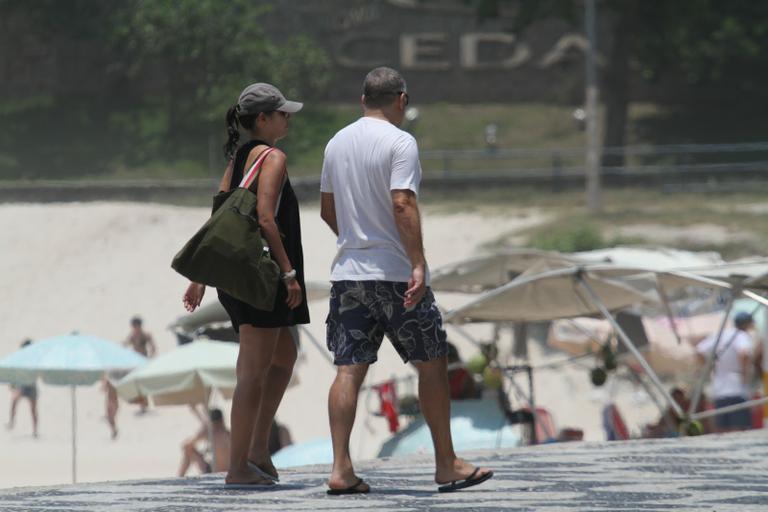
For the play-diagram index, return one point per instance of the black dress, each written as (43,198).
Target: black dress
(290,229)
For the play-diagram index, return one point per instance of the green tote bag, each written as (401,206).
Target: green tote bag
(228,252)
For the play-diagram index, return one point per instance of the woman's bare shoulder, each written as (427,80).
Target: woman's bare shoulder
(275,159)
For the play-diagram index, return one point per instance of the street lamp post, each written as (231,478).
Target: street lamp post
(592,156)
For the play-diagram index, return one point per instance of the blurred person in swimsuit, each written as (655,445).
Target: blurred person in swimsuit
(24,391)
(218,435)
(143,343)
(140,340)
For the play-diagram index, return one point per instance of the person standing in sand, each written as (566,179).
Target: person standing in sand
(111,405)
(24,391)
(140,340)
(731,373)
(143,343)
(380,281)
(267,350)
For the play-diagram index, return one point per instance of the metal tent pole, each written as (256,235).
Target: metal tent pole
(637,378)
(729,408)
(668,309)
(630,346)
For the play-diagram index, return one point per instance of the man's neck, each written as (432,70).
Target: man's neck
(377,114)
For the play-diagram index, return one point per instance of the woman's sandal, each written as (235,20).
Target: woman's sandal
(352,489)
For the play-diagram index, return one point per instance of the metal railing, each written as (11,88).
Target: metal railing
(549,163)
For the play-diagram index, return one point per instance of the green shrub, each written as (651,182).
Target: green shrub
(570,236)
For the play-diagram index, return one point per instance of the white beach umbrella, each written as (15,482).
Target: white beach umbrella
(185,375)
(70,360)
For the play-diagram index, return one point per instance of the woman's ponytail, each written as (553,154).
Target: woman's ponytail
(233,133)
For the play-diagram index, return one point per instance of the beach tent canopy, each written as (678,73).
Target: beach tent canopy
(185,375)
(546,295)
(751,273)
(490,271)
(658,258)
(583,291)
(540,295)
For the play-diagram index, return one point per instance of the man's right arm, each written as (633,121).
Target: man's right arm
(408,222)
(328,211)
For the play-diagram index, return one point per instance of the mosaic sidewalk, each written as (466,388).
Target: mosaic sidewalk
(718,473)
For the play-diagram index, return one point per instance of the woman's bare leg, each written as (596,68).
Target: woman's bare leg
(277,379)
(257,346)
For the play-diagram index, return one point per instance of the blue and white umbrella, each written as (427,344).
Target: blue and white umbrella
(475,425)
(316,451)
(70,360)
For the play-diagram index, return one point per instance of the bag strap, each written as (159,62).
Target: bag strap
(719,353)
(253,173)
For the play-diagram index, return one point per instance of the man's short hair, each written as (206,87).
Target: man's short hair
(743,320)
(381,87)
(136,321)
(216,415)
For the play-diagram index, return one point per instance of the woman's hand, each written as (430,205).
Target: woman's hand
(294,293)
(193,296)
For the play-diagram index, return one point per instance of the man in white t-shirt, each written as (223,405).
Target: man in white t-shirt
(380,280)
(730,380)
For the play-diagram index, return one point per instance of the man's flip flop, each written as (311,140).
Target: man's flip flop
(467,482)
(256,469)
(352,489)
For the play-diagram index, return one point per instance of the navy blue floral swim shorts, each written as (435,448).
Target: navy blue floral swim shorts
(362,312)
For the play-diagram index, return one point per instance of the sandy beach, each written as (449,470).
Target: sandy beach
(90,267)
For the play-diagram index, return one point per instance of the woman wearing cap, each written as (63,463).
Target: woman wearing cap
(267,350)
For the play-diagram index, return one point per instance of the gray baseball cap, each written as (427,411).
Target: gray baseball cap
(261,97)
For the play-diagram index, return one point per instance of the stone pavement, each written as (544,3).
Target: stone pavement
(719,473)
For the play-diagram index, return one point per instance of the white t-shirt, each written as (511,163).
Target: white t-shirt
(363,163)
(728,377)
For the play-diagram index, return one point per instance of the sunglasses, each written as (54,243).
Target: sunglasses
(286,115)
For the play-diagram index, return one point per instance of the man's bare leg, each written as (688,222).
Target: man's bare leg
(342,407)
(253,360)
(435,403)
(277,379)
